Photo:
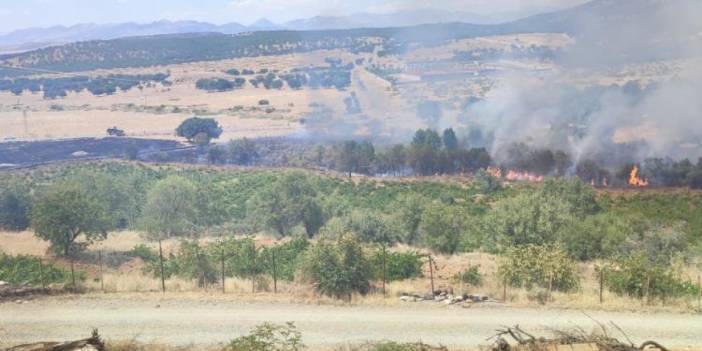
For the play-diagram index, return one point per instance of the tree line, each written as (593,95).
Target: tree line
(640,236)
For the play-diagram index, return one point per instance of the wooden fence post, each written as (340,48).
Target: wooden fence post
(602,273)
(504,290)
(163,271)
(431,274)
(275,274)
(73,276)
(699,293)
(253,267)
(41,274)
(102,278)
(384,270)
(224,291)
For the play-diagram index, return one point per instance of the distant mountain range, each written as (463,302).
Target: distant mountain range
(33,38)
(606,31)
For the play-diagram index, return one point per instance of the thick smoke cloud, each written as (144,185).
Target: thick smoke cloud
(661,118)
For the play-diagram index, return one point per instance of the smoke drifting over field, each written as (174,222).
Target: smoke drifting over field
(662,118)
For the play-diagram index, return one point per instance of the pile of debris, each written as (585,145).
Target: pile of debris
(447,297)
(93,343)
(516,339)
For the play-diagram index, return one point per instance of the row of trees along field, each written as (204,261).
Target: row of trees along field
(431,153)
(541,231)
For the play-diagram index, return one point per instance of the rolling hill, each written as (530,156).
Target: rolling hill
(627,30)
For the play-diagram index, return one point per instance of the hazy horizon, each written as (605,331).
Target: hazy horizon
(49,13)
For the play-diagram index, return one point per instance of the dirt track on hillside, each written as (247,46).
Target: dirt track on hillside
(195,321)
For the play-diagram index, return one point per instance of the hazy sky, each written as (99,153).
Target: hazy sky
(15,14)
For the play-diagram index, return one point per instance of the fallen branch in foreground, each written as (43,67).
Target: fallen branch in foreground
(93,343)
(572,340)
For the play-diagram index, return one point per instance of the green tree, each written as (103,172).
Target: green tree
(243,151)
(286,203)
(527,218)
(66,212)
(539,266)
(207,128)
(424,153)
(216,154)
(449,139)
(338,268)
(408,214)
(14,206)
(169,212)
(441,228)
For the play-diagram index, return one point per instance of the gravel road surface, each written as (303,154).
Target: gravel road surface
(194,321)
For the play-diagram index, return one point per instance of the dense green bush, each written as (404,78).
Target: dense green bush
(338,268)
(15,205)
(470,276)
(546,266)
(636,276)
(19,270)
(398,265)
(269,337)
(284,258)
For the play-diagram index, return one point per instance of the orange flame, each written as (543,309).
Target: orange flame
(634,179)
(523,176)
(495,172)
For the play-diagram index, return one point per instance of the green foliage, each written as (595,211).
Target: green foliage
(528,218)
(191,127)
(442,227)
(355,157)
(144,252)
(169,209)
(14,206)
(66,212)
(636,276)
(599,236)
(269,337)
(242,151)
(286,203)
(339,268)
(398,265)
(470,276)
(368,226)
(20,270)
(286,258)
(408,213)
(545,266)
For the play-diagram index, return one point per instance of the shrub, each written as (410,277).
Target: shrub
(339,268)
(144,252)
(286,256)
(636,276)
(399,265)
(533,266)
(269,337)
(470,276)
(19,270)
(14,207)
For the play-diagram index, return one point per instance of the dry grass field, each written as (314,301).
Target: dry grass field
(128,278)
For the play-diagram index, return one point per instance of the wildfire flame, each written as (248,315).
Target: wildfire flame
(523,176)
(495,172)
(513,175)
(634,179)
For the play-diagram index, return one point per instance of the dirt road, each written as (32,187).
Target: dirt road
(183,321)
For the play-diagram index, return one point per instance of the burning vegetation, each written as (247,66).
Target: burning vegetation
(635,180)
